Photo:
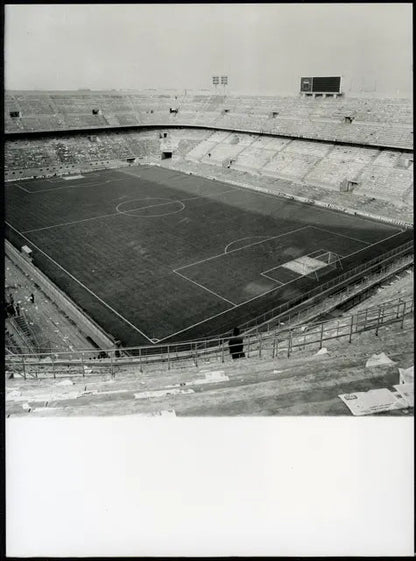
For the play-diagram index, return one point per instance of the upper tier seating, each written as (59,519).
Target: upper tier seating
(374,121)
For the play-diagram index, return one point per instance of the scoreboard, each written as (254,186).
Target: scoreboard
(321,84)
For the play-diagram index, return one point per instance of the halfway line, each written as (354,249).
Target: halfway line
(69,223)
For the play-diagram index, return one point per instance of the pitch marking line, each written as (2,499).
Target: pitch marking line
(118,213)
(260,295)
(240,248)
(264,238)
(341,235)
(235,305)
(282,283)
(225,311)
(168,202)
(22,188)
(237,188)
(207,289)
(181,175)
(279,283)
(56,179)
(264,273)
(322,209)
(205,196)
(126,212)
(341,256)
(375,243)
(75,186)
(197,323)
(70,223)
(81,284)
(63,178)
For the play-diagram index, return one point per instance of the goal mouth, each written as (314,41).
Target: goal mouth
(71,177)
(315,264)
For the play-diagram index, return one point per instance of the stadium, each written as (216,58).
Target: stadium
(208,266)
(142,226)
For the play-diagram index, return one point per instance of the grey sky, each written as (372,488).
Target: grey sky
(264,48)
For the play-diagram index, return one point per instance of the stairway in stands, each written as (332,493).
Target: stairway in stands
(23,326)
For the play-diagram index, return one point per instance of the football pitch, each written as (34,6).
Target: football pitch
(154,255)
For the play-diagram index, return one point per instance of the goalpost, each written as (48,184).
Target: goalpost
(316,264)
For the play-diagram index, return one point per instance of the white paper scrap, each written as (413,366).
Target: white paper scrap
(407,392)
(12,395)
(161,393)
(216,375)
(406,375)
(40,409)
(373,401)
(166,413)
(378,360)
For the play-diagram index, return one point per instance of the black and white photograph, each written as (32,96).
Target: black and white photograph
(208,222)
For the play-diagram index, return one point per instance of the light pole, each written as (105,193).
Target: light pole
(224,81)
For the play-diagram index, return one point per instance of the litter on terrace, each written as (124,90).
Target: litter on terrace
(406,375)
(379,360)
(407,392)
(373,401)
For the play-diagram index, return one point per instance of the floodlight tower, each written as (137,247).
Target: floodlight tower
(224,82)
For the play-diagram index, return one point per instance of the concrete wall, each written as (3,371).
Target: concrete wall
(84,323)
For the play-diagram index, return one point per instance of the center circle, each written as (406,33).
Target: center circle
(150,207)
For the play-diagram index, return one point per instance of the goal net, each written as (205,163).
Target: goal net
(316,264)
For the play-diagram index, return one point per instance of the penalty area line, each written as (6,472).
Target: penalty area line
(205,288)
(242,248)
(22,188)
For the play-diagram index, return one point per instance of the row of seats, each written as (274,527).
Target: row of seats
(384,122)
(203,389)
(68,150)
(379,173)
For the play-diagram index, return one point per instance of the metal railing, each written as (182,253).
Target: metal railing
(162,358)
(332,285)
(288,312)
(292,309)
(339,293)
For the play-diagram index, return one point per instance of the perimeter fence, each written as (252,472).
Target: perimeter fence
(161,358)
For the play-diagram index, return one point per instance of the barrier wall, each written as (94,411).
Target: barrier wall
(84,323)
(379,218)
(262,345)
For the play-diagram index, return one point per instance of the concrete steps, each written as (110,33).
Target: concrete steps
(305,384)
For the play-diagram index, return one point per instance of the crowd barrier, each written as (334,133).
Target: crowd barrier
(85,324)
(332,206)
(280,343)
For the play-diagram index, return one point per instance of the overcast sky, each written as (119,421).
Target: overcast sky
(263,48)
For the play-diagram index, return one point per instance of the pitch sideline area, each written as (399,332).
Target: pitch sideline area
(155,255)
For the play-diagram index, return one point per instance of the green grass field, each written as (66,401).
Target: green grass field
(156,255)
